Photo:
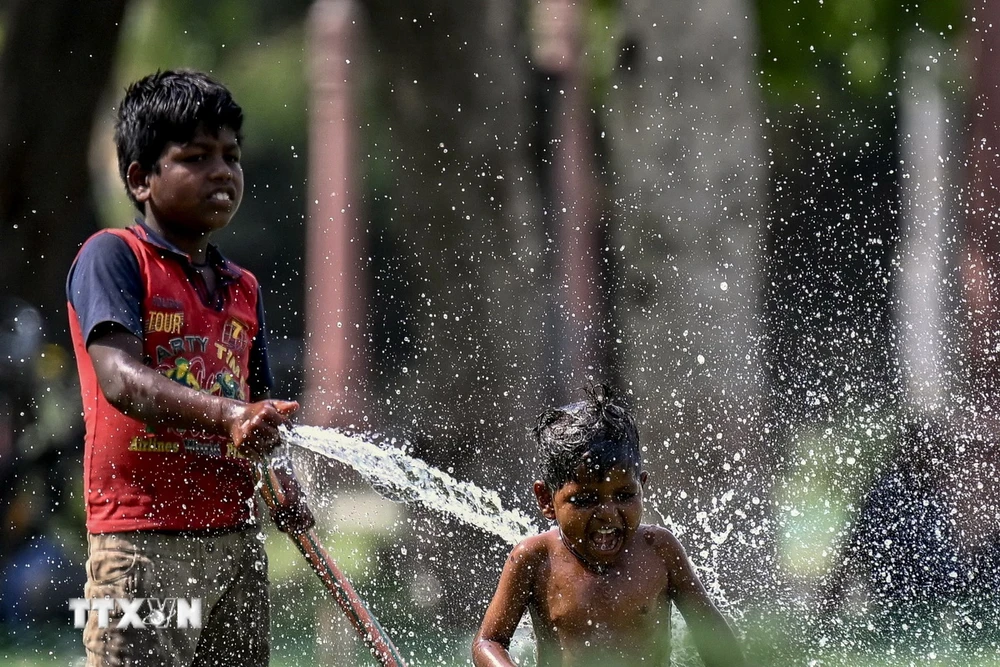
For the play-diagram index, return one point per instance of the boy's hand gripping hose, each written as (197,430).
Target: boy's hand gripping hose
(284,499)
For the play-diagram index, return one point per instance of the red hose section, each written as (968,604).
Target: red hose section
(364,622)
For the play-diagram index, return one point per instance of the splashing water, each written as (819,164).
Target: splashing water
(402,478)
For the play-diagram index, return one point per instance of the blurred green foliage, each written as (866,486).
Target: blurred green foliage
(259,50)
(840,51)
(830,467)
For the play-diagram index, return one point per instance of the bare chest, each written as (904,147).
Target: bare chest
(582,605)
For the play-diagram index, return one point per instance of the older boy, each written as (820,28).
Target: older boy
(599,585)
(171,349)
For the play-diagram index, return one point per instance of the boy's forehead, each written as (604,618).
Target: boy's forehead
(220,132)
(208,136)
(594,473)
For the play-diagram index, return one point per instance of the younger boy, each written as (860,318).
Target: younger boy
(171,349)
(599,585)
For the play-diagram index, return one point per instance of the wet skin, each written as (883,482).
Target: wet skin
(597,515)
(599,587)
(193,190)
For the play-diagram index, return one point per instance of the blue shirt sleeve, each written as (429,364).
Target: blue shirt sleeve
(261,382)
(104,286)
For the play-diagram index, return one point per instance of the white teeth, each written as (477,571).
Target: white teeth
(605,531)
(221,196)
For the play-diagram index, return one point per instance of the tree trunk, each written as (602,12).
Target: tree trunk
(457,250)
(56,60)
(688,166)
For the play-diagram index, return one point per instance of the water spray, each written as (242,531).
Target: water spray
(398,477)
(404,479)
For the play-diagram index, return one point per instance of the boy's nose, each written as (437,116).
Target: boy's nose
(604,512)
(222,170)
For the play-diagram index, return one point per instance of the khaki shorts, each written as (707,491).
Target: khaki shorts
(227,573)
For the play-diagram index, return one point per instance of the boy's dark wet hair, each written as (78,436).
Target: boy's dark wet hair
(170,106)
(597,432)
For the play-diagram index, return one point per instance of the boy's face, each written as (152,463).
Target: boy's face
(196,186)
(597,513)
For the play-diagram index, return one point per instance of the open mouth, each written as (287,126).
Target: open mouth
(221,196)
(606,540)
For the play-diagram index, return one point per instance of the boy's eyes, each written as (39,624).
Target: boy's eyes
(232,158)
(586,500)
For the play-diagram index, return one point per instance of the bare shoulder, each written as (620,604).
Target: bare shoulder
(663,541)
(532,551)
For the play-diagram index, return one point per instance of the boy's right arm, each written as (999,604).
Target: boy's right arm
(490,647)
(105,287)
(150,397)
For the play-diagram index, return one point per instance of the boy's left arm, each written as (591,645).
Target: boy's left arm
(490,648)
(714,638)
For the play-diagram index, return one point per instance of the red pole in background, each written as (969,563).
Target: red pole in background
(335,290)
(981,259)
(977,493)
(576,190)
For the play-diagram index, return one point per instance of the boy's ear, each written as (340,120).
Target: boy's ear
(544,497)
(137,180)
(643,478)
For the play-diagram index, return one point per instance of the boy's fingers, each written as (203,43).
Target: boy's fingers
(258,433)
(257,447)
(265,432)
(285,407)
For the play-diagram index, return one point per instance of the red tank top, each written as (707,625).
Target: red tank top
(139,478)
